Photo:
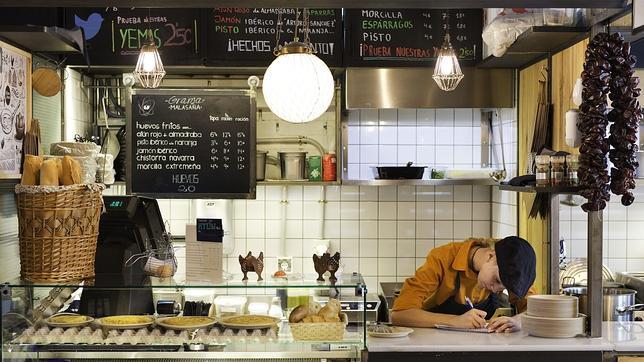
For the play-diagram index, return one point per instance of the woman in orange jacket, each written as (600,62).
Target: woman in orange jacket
(459,285)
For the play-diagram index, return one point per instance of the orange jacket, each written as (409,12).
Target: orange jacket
(434,282)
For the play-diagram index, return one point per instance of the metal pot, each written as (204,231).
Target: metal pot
(619,303)
(293,165)
(260,167)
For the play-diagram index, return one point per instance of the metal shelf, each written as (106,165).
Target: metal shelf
(534,44)
(297,182)
(541,189)
(352,353)
(432,182)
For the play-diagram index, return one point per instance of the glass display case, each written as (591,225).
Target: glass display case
(232,320)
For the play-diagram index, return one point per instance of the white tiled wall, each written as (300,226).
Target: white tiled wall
(623,233)
(504,204)
(427,137)
(382,232)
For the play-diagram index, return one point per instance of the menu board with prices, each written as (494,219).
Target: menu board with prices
(114,36)
(247,36)
(411,37)
(192,143)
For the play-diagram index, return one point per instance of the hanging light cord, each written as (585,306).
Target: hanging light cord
(278,32)
(447,29)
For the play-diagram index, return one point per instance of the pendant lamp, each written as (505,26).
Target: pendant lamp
(149,69)
(298,86)
(447,72)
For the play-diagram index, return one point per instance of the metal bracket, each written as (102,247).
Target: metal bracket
(486,122)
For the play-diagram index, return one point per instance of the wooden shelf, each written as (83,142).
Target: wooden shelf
(541,189)
(534,44)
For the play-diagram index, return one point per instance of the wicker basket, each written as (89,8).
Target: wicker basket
(58,228)
(331,331)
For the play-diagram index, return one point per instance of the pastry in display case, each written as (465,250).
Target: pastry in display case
(243,317)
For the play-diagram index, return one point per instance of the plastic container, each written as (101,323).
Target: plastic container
(329,167)
(228,305)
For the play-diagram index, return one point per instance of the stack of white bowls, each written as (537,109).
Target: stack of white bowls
(553,316)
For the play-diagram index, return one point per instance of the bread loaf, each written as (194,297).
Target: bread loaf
(298,314)
(71,173)
(31,170)
(49,172)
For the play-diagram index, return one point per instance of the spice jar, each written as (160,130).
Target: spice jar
(572,163)
(542,163)
(557,169)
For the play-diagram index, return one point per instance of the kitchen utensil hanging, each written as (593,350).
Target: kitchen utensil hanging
(541,138)
(45,79)
(499,175)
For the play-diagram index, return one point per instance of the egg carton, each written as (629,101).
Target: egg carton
(89,335)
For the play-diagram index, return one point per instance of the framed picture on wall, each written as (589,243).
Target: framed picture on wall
(638,16)
(15,107)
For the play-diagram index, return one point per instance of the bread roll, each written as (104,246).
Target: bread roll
(335,319)
(314,307)
(298,314)
(330,310)
(49,173)
(31,170)
(313,319)
(70,171)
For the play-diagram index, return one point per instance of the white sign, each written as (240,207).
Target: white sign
(14,75)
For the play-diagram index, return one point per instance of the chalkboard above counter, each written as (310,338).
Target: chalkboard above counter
(192,143)
(410,37)
(247,36)
(114,36)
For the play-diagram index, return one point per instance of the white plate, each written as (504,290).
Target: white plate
(101,322)
(53,324)
(162,323)
(398,332)
(226,322)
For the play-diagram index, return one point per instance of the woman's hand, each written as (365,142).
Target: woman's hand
(505,324)
(473,318)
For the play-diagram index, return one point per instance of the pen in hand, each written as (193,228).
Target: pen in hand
(469,302)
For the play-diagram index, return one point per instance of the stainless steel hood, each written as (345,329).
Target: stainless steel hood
(415,88)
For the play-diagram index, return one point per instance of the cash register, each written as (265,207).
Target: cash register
(131,225)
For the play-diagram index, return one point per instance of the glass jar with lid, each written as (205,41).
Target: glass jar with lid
(542,173)
(557,170)
(572,163)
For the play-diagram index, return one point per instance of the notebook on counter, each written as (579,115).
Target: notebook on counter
(457,329)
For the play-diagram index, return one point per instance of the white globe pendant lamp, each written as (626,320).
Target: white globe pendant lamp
(298,86)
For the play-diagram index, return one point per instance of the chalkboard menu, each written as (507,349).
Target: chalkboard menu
(410,37)
(192,143)
(247,36)
(114,35)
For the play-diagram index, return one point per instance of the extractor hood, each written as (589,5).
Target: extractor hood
(44,39)
(415,88)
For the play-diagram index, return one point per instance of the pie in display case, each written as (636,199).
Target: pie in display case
(166,318)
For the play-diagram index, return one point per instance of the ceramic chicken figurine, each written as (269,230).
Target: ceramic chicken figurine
(252,264)
(325,263)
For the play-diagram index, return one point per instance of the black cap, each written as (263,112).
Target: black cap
(517,263)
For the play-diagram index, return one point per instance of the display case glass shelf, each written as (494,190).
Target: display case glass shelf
(233,281)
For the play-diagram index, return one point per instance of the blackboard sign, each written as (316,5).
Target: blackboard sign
(247,36)
(114,35)
(410,37)
(192,143)
(210,230)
